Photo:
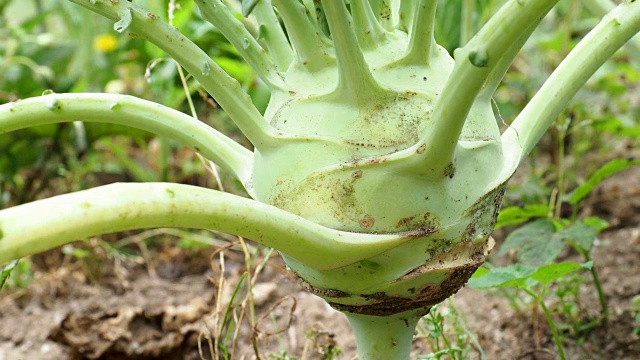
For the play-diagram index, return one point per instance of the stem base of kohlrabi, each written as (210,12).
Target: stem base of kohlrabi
(385,337)
(349,290)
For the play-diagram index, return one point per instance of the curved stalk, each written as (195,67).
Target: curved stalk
(384,337)
(422,39)
(274,36)
(504,63)
(137,113)
(466,28)
(368,29)
(600,8)
(304,35)
(474,64)
(383,12)
(600,44)
(224,89)
(220,16)
(407,13)
(355,82)
(35,227)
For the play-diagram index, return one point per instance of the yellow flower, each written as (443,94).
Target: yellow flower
(105,43)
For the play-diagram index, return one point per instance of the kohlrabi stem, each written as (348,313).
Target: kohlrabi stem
(368,30)
(466,27)
(383,12)
(422,39)
(474,64)
(355,83)
(132,112)
(224,89)
(601,8)
(274,36)
(600,44)
(40,225)
(550,322)
(384,337)
(220,16)
(304,35)
(495,78)
(407,12)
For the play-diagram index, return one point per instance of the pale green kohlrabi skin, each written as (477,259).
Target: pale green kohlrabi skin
(354,167)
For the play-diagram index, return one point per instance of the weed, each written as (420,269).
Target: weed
(635,309)
(455,343)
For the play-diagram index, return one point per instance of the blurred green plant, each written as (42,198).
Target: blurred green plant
(39,39)
(16,274)
(635,309)
(537,246)
(455,343)
(534,281)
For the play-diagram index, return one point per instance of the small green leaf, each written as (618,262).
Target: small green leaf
(509,276)
(597,223)
(516,215)
(6,271)
(482,271)
(581,234)
(600,175)
(535,242)
(549,273)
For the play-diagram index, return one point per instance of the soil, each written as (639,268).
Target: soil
(171,305)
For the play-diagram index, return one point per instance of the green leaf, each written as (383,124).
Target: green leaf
(549,273)
(581,234)
(509,276)
(6,271)
(516,215)
(535,242)
(597,223)
(522,276)
(600,175)
(482,271)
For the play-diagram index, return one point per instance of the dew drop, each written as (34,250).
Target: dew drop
(114,106)
(246,43)
(47,92)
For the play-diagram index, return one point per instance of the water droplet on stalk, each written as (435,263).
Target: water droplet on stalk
(246,43)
